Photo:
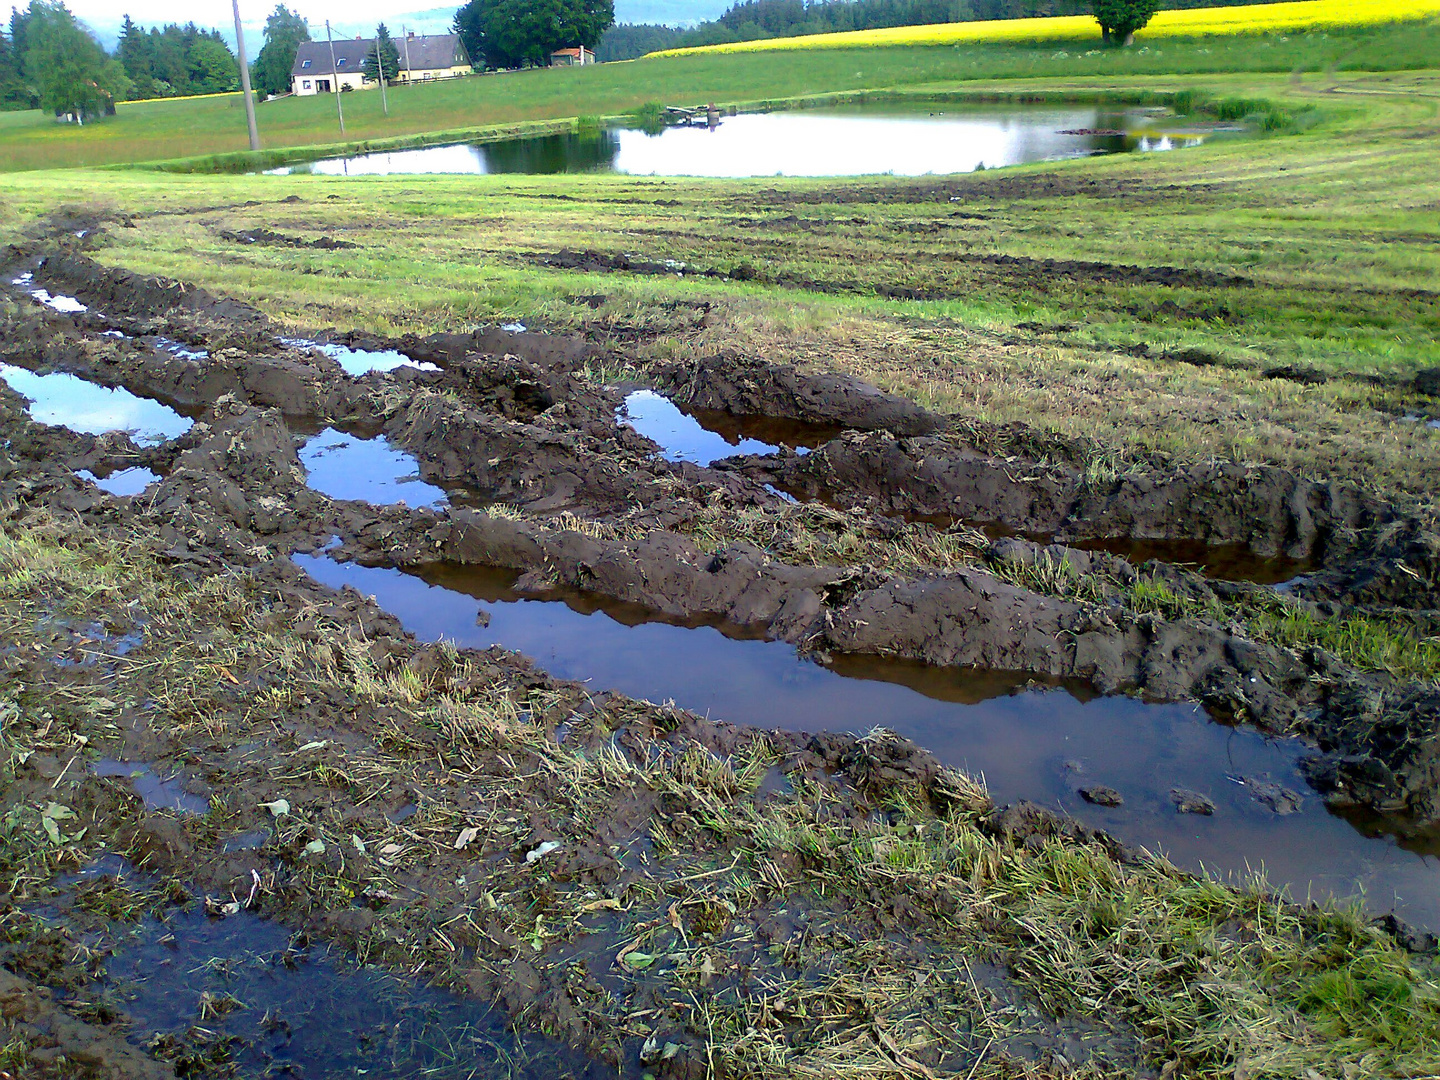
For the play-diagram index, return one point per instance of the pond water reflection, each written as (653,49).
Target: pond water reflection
(848,141)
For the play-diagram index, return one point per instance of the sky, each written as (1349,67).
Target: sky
(348,18)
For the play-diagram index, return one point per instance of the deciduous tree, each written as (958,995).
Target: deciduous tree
(1119,19)
(66,65)
(284,31)
(514,33)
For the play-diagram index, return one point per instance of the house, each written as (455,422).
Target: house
(313,72)
(423,58)
(572,57)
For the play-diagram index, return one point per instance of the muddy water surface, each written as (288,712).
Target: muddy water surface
(702,436)
(345,466)
(360,361)
(62,399)
(1038,743)
(159,792)
(122,481)
(1223,562)
(272,1004)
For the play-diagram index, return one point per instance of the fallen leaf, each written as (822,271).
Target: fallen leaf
(608,904)
(466,835)
(315,847)
(278,808)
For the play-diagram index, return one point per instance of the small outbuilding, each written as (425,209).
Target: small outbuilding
(576,57)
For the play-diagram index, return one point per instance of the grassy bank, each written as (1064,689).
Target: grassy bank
(164,130)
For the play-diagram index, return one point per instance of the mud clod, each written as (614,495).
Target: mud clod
(1192,802)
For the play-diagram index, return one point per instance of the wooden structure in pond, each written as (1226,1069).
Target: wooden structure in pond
(695,116)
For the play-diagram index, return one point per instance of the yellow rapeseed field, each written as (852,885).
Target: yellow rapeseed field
(1195,22)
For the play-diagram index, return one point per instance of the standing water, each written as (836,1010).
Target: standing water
(1026,742)
(847,141)
(62,399)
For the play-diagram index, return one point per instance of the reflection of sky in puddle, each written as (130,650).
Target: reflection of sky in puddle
(60,398)
(1037,744)
(706,435)
(346,467)
(680,436)
(121,482)
(360,361)
(159,793)
(847,141)
(178,349)
(58,301)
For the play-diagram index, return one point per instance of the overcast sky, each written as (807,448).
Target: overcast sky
(349,17)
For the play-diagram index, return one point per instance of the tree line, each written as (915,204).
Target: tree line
(49,60)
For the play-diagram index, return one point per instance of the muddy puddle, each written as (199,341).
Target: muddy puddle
(59,398)
(1222,562)
(345,466)
(359,361)
(702,436)
(180,349)
(159,791)
(60,302)
(237,995)
(1044,744)
(121,482)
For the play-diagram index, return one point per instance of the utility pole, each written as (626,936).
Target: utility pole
(335,75)
(409,71)
(245,78)
(380,67)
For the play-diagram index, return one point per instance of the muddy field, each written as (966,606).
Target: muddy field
(411,684)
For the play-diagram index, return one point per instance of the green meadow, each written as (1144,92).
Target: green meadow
(199,127)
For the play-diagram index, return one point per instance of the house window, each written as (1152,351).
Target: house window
(306,84)
(305,63)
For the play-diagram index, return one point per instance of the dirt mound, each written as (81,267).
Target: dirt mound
(126,294)
(743,386)
(275,239)
(1266,509)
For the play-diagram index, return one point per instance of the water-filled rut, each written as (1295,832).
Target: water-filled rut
(1042,744)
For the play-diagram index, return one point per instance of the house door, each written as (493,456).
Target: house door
(322,85)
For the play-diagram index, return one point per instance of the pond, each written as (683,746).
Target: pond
(848,141)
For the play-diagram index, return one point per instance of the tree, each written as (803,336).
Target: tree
(136,57)
(213,67)
(67,65)
(514,33)
(1119,19)
(284,31)
(389,57)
